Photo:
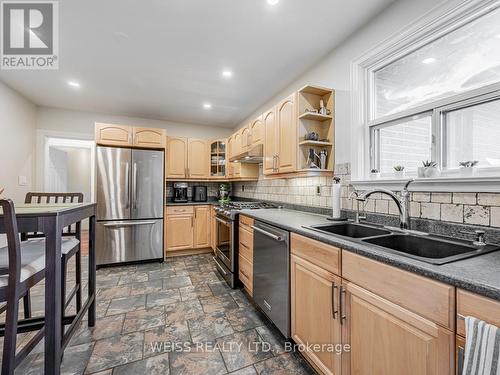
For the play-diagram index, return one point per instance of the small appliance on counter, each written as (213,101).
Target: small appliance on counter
(199,193)
(180,192)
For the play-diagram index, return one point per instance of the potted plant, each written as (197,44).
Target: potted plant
(429,169)
(374,174)
(467,167)
(399,171)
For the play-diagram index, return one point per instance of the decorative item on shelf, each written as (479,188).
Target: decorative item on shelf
(399,171)
(323,110)
(312,136)
(323,157)
(374,174)
(429,169)
(313,160)
(467,168)
(311,110)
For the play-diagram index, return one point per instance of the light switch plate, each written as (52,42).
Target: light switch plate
(22,180)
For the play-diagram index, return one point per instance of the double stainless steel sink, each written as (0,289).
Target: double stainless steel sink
(430,249)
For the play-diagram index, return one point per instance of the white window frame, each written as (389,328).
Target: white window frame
(440,21)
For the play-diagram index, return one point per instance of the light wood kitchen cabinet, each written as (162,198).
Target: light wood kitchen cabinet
(286,115)
(471,304)
(387,339)
(256,132)
(271,142)
(198,162)
(201,234)
(179,232)
(236,147)
(149,137)
(245,139)
(187,227)
(245,247)
(213,229)
(113,135)
(122,135)
(315,313)
(177,153)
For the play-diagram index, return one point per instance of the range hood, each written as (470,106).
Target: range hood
(253,156)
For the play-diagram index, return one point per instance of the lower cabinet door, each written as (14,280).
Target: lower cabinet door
(179,232)
(315,314)
(201,227)
(386,339)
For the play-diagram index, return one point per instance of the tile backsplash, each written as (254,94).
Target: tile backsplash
(465,208)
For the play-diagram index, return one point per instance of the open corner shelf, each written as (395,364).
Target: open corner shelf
(315,90)
(315,143)
(315,116)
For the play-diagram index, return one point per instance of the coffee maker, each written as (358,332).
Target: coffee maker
(180,192)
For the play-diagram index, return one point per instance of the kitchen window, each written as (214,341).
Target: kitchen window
(437,97)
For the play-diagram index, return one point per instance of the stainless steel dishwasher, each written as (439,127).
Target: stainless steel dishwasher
(271,274)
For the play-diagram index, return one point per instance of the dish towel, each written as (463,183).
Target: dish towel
(482,348)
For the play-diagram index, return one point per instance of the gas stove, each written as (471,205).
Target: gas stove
(231,209)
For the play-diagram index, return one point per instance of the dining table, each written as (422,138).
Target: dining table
(51,219)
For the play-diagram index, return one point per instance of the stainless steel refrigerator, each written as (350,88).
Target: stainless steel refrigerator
(129,205)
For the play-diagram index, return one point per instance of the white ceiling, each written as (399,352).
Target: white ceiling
(162,59)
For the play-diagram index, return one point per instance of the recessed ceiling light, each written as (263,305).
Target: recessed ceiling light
(74,84)
(429,60)
(273,2)
(227,74)
(207,105)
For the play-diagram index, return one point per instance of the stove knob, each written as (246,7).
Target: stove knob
(227,212)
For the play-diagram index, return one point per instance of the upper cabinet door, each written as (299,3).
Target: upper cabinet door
(390,340)
(245,138)
(287,128)
(237,144)
(149,137)
(271,140)
(198,158)
(113,135)
(256,131)
(176,165)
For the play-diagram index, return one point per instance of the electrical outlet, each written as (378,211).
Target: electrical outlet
(22,180)
(318,190)
(242,188)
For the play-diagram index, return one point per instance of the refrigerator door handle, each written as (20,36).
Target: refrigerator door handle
(129,224)
(134,185)
(127,184)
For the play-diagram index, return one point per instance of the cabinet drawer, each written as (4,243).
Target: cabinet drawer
(470,304)
(318,253)
(180,210)
(428,298)
(246,222)
(246,244)
(246,273)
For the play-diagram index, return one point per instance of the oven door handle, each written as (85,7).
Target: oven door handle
(219,266)
(223,221)
(266,233)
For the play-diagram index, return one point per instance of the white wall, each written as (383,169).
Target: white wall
(17,142)
(334,70)
(68,121)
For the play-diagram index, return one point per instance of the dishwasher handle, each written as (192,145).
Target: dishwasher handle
(268,234)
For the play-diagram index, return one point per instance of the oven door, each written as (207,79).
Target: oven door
(224,237)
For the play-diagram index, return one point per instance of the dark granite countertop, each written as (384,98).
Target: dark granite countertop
(480,274)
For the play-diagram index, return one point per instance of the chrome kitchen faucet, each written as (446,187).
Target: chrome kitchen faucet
(402,202)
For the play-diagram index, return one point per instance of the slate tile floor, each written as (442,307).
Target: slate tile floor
(182,301)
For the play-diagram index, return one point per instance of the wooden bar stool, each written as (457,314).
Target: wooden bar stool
(22,266)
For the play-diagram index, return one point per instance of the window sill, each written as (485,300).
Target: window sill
(441,184)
